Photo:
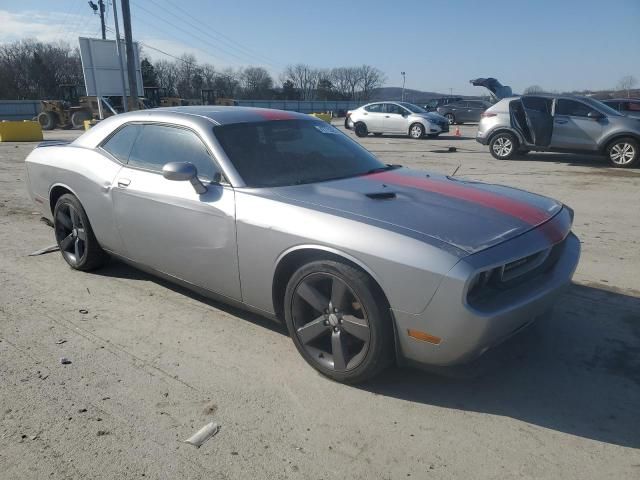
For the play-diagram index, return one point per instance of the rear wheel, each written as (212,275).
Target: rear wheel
(623,152)
(361,129)
(451,118)
(338,321)
(74,235)
(503,146)
(47,120)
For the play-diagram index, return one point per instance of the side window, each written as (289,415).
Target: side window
(158,145)
(393,108)
(119,145)
(375,108)
(572,108)
(539,104)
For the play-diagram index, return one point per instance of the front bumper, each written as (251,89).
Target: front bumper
(468,332)
(481,138)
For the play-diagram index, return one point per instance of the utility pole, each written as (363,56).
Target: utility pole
(404,77)
(131,59)
(125,106)
(99,8)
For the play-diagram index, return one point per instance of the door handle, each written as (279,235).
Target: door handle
(123,182)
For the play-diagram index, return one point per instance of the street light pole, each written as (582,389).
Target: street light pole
(404,77)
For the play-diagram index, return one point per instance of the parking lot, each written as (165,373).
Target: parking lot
(151,363)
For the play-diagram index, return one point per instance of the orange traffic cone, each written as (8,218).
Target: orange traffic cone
(458,132)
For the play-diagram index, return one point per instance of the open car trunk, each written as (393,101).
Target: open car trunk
(531,116)
(498,91)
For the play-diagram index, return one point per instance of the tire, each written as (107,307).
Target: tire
(361,129)
(451,118)
(416,131)
(503,146)
(359,327)
(47,120)
(623,152)
(74,235)
(78,118)
(346,123)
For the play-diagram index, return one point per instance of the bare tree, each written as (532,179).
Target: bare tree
(340,80)
(370,79)
(627,83)
(256,82)
(167,74)
(304,78)
(533,89)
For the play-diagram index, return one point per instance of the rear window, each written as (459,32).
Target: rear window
(119,145)
(376,107)
(292,152)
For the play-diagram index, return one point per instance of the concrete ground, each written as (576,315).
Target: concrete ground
(152,363)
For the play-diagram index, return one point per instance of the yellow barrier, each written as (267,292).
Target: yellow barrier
(89,123)
(322,116)
(25,131)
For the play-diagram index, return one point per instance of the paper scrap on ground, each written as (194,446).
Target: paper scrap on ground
(202,435)
(42,251)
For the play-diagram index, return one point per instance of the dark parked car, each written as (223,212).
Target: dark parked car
(433,104)
(627,106)
(464,111)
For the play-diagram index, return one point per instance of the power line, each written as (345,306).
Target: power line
(187,32)
(222,37)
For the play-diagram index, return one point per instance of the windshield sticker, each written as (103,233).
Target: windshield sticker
(327,129)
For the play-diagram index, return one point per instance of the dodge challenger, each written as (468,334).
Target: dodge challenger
(282,214)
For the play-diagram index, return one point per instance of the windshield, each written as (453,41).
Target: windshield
(292,152)
(413,108)
(602,107)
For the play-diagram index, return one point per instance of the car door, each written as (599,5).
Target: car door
(395,119)
(373,117)
(165,224)
(538,119)
(458,109)
(573,128)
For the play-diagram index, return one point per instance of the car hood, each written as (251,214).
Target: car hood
(469,216)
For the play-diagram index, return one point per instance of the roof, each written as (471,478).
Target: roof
(223,115)
(620,100)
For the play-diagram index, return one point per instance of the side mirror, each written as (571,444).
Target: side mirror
(184,171)
(595,115)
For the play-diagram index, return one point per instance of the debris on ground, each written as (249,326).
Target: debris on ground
(202,435)
(42,251)
(61,341)
(100,433)
(210,409)
(83,311)
(65,361)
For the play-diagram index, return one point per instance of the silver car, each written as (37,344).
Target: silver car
(282,214)
(399,118)
(514,126)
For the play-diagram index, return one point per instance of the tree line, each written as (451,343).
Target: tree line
(31,70)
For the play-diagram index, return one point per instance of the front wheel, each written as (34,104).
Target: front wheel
(47,120)
(623,153)
(416,131)
(338,321)
(503,146)
(361,129)
(74,235)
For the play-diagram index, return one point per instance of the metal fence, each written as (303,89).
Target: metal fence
(27,109)
(19,109)
(303,106)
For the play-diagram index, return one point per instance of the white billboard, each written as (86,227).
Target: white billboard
(101,67)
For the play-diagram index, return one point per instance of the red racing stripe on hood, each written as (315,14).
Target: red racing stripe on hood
(523,211)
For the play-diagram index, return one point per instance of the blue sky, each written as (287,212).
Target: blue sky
(560,45)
